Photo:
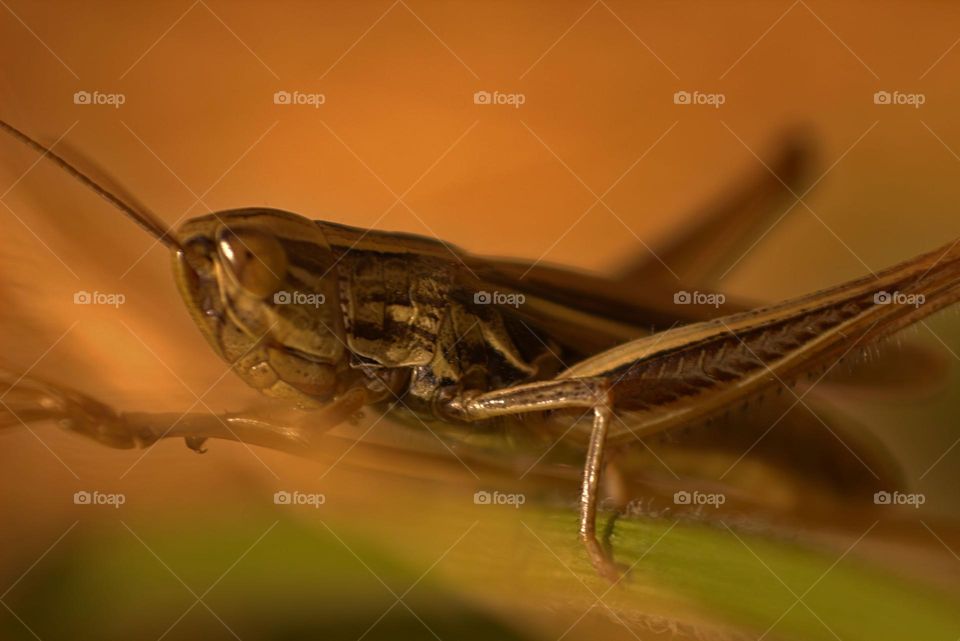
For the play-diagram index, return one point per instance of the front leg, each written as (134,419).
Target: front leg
(27,399)
(552,395)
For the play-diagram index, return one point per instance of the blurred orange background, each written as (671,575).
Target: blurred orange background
(399,143)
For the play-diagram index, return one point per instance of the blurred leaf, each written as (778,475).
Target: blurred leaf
(307,578)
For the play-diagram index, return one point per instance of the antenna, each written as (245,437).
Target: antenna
(153,225)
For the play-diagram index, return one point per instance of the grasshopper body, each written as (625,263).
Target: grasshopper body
(327,316)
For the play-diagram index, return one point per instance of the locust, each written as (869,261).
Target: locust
(330,319)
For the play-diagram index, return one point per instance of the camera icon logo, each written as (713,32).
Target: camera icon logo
(82,497)
(282,298)
(282,98)
(882,98)
(882,298)
(882,498)
(282,497)
(82,298)
(682,298)
(82,98)
(482,98)
(682,497)
(482,298)
(682,98)
(482,497)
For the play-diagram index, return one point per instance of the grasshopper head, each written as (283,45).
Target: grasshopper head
(262,286)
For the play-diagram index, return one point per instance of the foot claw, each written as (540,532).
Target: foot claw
(195,443)
(610,569)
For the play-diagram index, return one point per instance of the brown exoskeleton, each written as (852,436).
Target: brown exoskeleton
(334,317)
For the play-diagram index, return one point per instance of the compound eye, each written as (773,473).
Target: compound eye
(255,258)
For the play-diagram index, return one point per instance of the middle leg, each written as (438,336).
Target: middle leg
(587,393)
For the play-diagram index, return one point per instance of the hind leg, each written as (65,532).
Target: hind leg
(723,231)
